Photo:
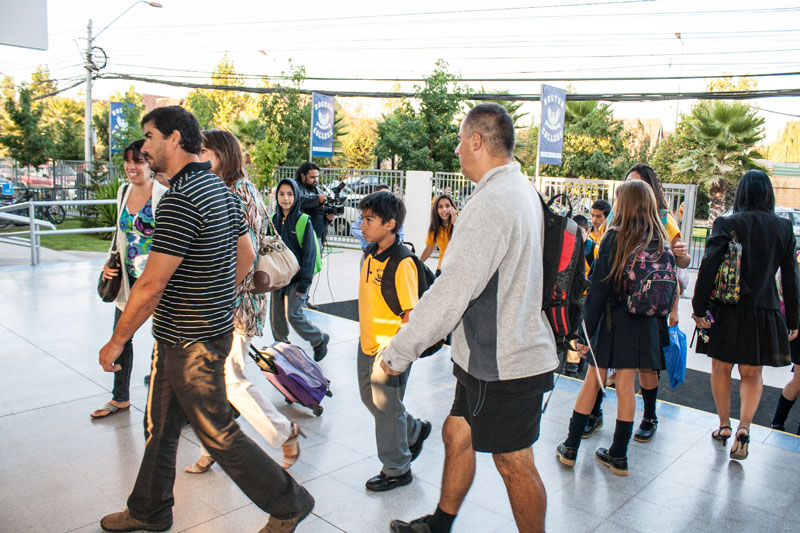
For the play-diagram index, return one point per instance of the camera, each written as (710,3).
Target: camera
(335,204)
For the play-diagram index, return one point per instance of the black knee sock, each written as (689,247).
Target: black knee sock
(649,396)
(782,410)
(576,425)
(622,435)
(441,522)
(597,410)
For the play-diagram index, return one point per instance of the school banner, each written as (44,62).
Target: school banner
(322,125)
(551,129)
(117,122)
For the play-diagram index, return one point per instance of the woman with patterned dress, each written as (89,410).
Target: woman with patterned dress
(222,150)
(136,207)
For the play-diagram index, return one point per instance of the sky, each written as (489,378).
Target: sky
(563,39)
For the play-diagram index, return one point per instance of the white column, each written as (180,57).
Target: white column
(418,207)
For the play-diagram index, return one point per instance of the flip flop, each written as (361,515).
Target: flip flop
(108,409)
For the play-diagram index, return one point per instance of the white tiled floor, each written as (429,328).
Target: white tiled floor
(61,471)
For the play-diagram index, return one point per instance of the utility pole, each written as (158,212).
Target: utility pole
(87,115)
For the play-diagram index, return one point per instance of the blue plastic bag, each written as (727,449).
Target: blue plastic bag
(675,355)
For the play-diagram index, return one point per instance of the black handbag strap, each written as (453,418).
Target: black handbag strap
(119,212)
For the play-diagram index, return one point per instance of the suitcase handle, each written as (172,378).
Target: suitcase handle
(263,362)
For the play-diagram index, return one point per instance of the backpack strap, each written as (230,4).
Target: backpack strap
(300,228)
(388,287)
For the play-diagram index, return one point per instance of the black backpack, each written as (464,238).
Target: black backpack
(425,279)
(563,275)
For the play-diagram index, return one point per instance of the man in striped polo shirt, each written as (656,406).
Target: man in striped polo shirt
(201,248)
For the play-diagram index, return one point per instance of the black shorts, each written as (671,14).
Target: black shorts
(504,416)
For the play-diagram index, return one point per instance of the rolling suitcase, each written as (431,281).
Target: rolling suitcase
(294,373)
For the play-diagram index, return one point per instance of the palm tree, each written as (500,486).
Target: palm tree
(722,135)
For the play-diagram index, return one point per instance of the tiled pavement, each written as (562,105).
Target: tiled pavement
(61,471)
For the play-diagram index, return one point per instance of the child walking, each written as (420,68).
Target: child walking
(621,339)
(399,436)
(289,223)
(443,217)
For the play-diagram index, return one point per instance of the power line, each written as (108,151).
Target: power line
(466,80)
(609,97)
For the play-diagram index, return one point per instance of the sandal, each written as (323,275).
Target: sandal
(717,434)
(291,448)
(740,449)
(202,465)
(109,409)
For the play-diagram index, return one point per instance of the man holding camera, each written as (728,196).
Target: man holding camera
(312,199)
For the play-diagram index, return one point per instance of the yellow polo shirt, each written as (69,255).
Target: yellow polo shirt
(378,323)
(442,240)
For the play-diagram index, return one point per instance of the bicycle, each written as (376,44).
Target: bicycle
(54,213)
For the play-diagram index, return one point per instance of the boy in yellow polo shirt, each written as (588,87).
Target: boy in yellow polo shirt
(399,436)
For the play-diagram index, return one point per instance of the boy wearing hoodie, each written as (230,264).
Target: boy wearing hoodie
(287,220)
(398,435)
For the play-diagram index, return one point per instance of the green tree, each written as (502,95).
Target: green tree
(218,108)
(513,108)
(64,120)
(786,147)
(721,138)
(27,140)
(357,143)
(595,144)
(425,139)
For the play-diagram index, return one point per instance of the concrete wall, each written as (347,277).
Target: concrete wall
(787,191)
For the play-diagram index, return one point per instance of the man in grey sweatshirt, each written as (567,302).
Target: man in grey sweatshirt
(503,350)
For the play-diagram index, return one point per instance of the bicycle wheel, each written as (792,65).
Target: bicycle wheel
(55,213)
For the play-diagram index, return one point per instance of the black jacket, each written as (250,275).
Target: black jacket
(767,244)
(310,205)
(287,229)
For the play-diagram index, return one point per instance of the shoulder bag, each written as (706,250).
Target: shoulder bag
(276,265)
(108,289)
(727,284)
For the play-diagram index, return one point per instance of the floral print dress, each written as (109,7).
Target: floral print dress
(138,230)
(250,310)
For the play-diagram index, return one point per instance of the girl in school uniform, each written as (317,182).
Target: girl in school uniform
(620,339)
(443,217)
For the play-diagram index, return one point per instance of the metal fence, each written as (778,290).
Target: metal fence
(357,183)
(681,200)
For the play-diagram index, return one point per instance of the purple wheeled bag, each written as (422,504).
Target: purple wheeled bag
(294,373)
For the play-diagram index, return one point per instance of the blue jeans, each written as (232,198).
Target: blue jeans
(188,382)
(122,377)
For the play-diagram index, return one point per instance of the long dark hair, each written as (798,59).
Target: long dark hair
(650,177)
(437,224)
(754,193)
(226,146)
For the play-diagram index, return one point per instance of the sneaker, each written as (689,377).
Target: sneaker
(566,454)
(321,349)
(420,525)
(647,430)
(275,525)
(424,431)
(383,482)
(618,465)
(592,425)
(125,522)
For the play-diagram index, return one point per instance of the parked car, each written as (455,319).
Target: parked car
(789,213)
(792,215)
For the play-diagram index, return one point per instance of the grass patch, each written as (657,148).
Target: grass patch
(83,242)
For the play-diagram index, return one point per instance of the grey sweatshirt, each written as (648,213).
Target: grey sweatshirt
(490,290)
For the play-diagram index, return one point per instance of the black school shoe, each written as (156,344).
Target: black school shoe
(572,369)
(566,454)
(592,425)
(420,525)
(382,482)
(618,465)
(647,430)
(321,349)
(424,431)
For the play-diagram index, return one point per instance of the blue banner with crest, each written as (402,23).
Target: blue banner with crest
(551,129)
(322,118)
